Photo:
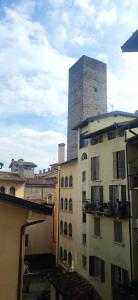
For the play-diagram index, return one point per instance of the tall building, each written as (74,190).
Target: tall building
(87,96)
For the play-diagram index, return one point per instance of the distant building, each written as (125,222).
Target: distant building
(87,96)
(22,168)
(131,45)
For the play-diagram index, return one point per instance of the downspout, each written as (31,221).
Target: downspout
(58,217)
(20,255)
(130,213)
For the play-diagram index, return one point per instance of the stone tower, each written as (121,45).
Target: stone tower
(87,96)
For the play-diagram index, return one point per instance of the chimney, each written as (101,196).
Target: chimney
(61,153)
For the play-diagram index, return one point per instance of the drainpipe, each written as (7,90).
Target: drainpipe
(130,217)
(20,255)
(58,217)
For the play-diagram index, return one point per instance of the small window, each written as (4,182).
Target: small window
(119,164)
(83,196)
(83,141)
(97,268)
(61,203)
(61,227)
(70,205)
(70,229)
(66,181)
(12,191)
(84,156)
(61,253)
(62,181)
(65,228)
(95,168)
(97,230)
(65,255)
(84,217)
(95,89)
(96,140)
(83,176)
(70,181)
(84,239)
(112,135)
(2,189)
(70,259)
(118,234)
(84,262)
(66,204)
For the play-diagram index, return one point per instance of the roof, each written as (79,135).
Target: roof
(131,124)
(131,45)
(36,181)
(102,116)
(68,161)
(11,176)
(45,209)
(72,285)
(105,129)
(22,162)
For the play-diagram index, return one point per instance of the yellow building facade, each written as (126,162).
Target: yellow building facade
(105,210)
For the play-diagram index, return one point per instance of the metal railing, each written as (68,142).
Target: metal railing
(119,209)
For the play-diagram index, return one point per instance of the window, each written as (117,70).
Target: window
(70,259)
(84,156)
(66,204)
(62,181)
(119,164)
(61,253)
(70,229)
(112,135)
(12,191)
(84,239)
(70,205)
(83,196)
(97,229)
(84,262)
(95,168)
(65,228)
(97,194)
(61,203)
(2,189)
(95,89)
(83,142)
(118,235)
(66,181)
(65,255)
(83,176)
(84,217)
(26,240)
(117,193)
(97,268)
(119,276)
(70,181)
(96,140)
(61,227)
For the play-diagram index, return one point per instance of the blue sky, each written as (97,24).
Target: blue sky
(39,41)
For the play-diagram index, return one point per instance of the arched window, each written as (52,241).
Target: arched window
(61,203)
(62,181)
(70,205)
(70,181)
(61,253)
(2,189)
(66,181)
(12,191)
(70,259)
(66,204)
(70,229)
(61,227)
(84,156)
(65,255)
(65,228)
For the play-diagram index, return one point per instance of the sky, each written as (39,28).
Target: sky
(39,41)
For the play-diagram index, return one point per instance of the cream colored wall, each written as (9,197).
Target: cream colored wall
(69,243)
(19,187)
(39,235)
(11,219)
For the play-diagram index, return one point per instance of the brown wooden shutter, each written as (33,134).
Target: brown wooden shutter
(91,265)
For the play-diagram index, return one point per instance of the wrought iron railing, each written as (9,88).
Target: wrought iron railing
(119,209)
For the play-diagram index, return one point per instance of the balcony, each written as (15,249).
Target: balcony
(118,210)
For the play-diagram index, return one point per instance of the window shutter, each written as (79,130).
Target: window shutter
(114,165)
(101,193)
(125,277)
(111,193)
(91,168)
(112,274)
(122,163)
(123,192)
(102,270)
(97,167)
(92,194)
(91,265)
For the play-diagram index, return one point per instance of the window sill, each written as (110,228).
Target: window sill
(99,237)
(118,179)
(119,244)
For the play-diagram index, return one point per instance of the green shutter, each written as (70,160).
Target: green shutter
(102,270)
(91,265)
(101,193)
(123,192)
(111,193)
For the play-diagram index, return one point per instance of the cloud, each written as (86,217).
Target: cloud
(38,146)
(106,18)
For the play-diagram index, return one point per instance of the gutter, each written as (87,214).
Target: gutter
(23,227)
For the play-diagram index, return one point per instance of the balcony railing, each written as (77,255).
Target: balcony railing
(119,209)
